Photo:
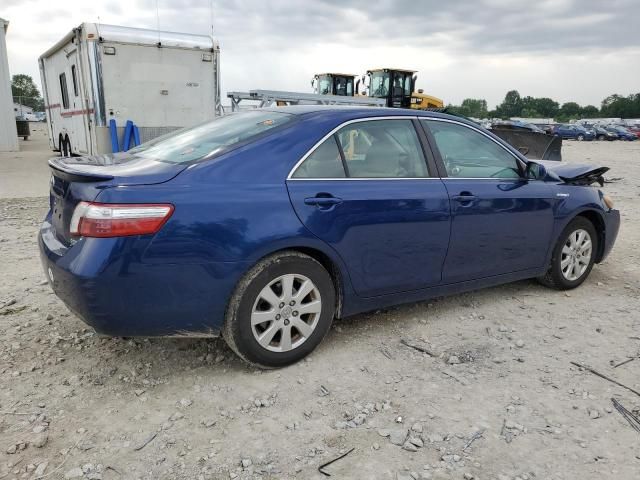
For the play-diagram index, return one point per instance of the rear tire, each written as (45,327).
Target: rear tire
(573,256)
(265,324)
(601,137)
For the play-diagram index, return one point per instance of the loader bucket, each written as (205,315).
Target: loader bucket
(534,145)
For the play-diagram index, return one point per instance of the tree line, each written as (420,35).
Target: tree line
(25,92)
(514,105)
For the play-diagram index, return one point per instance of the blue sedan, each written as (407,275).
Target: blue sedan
(576,132)
(622,133)
(264,226)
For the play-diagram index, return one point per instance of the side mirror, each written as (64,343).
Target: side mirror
(535,171)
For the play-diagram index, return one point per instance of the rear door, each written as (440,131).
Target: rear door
(366,191)
(501,222)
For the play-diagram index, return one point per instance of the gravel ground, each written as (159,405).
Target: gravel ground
(509,405)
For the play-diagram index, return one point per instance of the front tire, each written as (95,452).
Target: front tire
(580,138)
(280,310)
(573,256)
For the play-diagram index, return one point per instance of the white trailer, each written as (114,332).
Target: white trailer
(161,81)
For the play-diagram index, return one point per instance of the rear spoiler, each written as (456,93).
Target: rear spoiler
(63,170)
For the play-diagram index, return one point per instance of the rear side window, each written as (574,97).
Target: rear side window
(382,149)
(63,91)
(213,137)
(324,162)
(368,149)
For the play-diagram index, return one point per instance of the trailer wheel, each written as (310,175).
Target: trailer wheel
(61,146)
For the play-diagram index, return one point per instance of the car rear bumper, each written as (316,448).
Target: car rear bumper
(611,227)
(105,282)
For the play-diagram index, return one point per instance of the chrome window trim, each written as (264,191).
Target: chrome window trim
(344,124)
(475,129)
(350,179)
(504,179)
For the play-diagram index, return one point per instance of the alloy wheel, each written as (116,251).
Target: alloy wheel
(576,255)
(286,313)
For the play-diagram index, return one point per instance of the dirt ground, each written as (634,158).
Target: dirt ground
(76,405)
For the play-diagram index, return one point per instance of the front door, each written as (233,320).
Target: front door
(366,191)
(501,222)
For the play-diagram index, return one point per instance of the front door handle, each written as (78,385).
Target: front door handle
(322,202)
(465,198)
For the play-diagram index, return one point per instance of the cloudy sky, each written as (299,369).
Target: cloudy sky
(570,50)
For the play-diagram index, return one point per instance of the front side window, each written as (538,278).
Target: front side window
(382,149)
(209,138)
(467,153)
(63,91)
(369,149)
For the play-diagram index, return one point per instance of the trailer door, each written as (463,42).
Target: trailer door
(78,111)
(159,89)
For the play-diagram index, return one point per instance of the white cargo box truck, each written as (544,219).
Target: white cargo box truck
(161,81)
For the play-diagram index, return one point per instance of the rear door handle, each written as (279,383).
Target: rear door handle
(323,201)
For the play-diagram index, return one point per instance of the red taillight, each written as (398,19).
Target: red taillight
(118,220)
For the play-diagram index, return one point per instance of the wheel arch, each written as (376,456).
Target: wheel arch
(330,263)
(598,223)
(592,215)
(334,271)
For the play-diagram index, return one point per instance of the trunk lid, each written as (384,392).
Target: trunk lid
(76,179)
(119,168)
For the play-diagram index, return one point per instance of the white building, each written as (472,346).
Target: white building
(8,132)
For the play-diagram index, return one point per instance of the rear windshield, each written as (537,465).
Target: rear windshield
(210,138)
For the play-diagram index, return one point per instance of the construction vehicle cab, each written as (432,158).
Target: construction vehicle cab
(397,86)
(334,84)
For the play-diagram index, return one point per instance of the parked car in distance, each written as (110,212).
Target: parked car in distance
(623,133)
(604,134)
(571,131)
(635,129)
(265,225)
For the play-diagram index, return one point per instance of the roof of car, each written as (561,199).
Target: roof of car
(357,111)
